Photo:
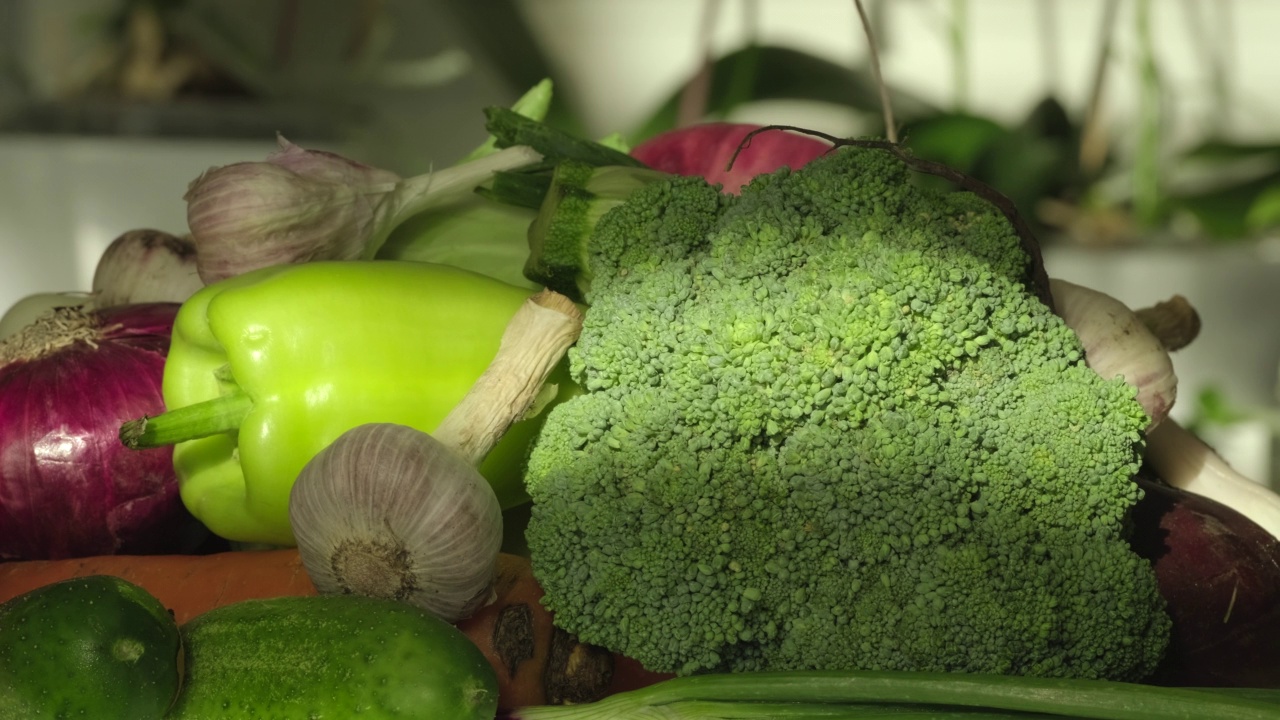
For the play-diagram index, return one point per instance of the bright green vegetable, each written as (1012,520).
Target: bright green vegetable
(474,233)
(908,696)
(828,425)
(337,656)
(92,647)
(579,195)
(267,368)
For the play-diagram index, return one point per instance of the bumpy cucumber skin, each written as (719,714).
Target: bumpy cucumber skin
(91,647)
(331,658)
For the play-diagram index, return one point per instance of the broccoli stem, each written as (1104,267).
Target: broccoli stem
(219,415)
(796,695)
(560,234)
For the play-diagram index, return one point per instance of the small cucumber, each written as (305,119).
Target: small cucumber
(90,647)
(331,656)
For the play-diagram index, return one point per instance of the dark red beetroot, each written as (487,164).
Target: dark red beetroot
(68,487)
(1220,574)
(705,150)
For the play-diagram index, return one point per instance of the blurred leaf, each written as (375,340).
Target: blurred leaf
(957,140)
(1034,161)
(1222,212)
(1027,163)
(1264,212)
(765,72)
(1219,150)
(1213,408)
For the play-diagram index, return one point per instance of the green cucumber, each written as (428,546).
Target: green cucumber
(90,647)
(331,656)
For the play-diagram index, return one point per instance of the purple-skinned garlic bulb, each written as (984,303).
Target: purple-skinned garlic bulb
(297,206)
(301,205)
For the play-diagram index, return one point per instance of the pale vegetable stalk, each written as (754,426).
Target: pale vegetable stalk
(541,332)
(1186,462)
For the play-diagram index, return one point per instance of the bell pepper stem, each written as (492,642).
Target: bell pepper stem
(219,415)
(535,339)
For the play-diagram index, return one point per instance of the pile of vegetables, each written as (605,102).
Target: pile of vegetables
(741,423)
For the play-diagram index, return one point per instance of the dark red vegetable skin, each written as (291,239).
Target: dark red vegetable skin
(65,514)
(1220,575)
(706,149)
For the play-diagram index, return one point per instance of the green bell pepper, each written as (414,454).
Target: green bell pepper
(267,368)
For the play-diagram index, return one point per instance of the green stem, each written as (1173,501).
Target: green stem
(440,188)
(513,129)
(948,692)
(960,53)
(1146,164)
(220,415)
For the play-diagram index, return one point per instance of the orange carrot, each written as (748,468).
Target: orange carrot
(186,584)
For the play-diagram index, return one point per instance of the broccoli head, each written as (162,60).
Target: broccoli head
(827,425)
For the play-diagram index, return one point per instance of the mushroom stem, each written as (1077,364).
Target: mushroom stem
(536,338)
(1174,322)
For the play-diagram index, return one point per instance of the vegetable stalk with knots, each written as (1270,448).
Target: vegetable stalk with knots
(390,511)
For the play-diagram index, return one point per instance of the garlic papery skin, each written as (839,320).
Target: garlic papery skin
(326,166)
(143,266)
(252,215)
(1118,344)
(387,511)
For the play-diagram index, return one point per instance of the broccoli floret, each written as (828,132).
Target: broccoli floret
(827,425)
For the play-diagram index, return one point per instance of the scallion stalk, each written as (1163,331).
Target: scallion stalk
(863,694)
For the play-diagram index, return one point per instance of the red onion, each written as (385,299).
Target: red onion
(705,150)
(68,488)
(1220,574)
